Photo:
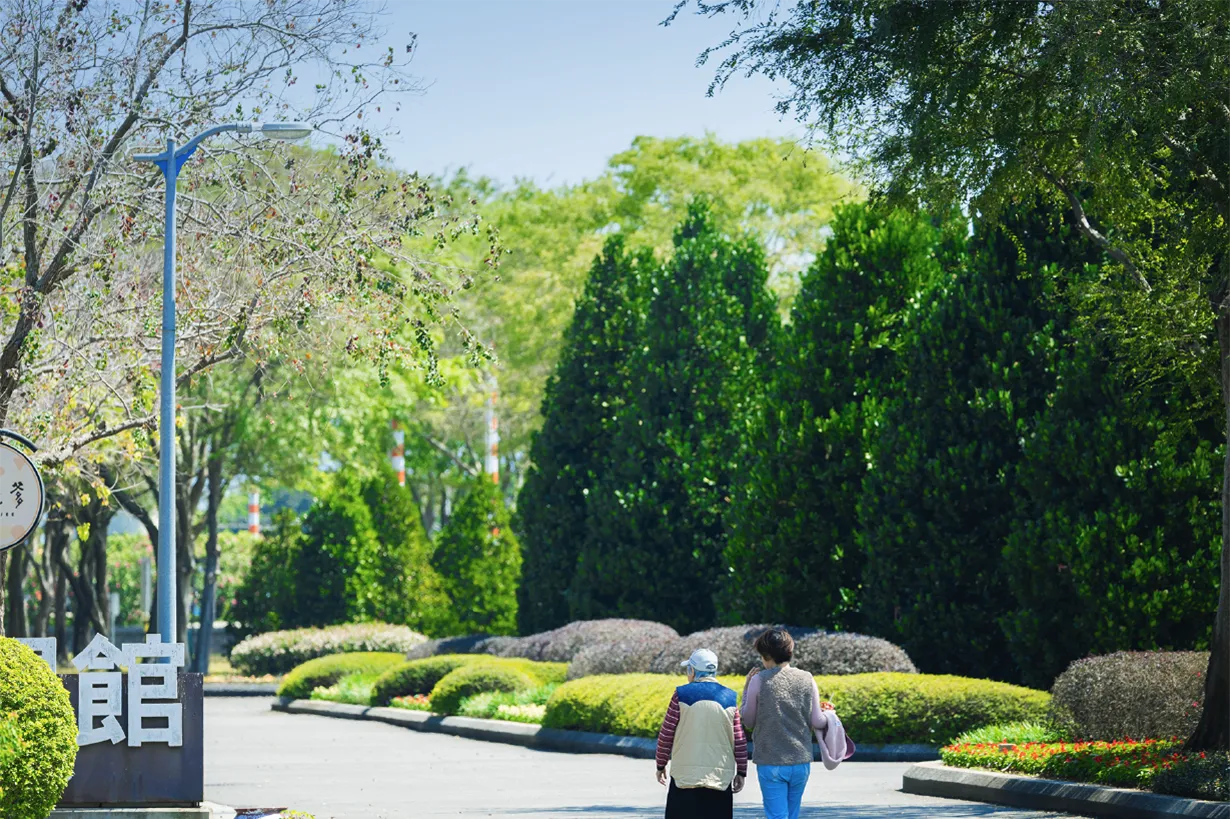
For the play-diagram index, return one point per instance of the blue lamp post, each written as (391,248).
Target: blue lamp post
(170,161)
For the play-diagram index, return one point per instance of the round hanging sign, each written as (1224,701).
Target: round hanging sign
(21,497)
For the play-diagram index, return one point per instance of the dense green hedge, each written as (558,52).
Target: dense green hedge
(408,678)
(875,708)
(476,678)
(417,676)
(325,671)
(41,752)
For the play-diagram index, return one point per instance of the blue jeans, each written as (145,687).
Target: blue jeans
(782,786)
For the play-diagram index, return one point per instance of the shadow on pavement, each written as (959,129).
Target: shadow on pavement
(808,812)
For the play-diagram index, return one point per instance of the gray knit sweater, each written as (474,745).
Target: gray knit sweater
(782,731)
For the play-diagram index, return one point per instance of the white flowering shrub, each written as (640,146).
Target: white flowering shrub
(277,652)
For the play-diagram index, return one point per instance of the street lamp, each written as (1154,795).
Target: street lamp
(170,161)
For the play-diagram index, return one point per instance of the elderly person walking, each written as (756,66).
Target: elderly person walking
(782,707)
(702,739)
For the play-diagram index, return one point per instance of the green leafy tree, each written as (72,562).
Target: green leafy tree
(1114,109)
(793,521)
(479,560)
(411,592)
(656,514)
(583,398)
(267,598)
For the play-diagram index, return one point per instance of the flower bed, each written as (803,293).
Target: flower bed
(1124,764)
(1149,764)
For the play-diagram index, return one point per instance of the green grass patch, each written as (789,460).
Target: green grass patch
(354,689)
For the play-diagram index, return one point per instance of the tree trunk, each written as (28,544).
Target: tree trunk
(61,611)
(4,559)
(15,593)
(209,588)
(1213,730)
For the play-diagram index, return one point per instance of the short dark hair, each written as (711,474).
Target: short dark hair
(776,644)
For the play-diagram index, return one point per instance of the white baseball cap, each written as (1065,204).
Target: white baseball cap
(703,661)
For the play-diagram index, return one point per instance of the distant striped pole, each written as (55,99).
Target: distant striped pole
(254,512)
(493,436)
(399,453)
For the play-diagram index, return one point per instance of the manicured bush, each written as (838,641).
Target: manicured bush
(631,656)
(876,709)
(562,645)
(354,688)
(1017,733)
(326,671)
(528,705)
(1141,694)
(277,652)
(476,678)
(447,645)
(816,651)
(417,677)
(41,739)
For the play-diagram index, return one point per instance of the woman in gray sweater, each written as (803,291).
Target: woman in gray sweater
(781,707)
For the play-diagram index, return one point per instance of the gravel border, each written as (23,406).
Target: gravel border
(934,779)
(546,739)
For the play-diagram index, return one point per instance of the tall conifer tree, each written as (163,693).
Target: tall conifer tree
(656,516)
(588,389)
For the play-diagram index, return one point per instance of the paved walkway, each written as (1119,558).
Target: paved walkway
(337,769)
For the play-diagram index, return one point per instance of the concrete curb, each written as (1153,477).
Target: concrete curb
(934,779)
(206,810)
(240,689)
(546,739)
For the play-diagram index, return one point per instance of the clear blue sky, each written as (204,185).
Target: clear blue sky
(549,89)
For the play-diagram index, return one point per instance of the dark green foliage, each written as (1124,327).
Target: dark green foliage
(478,559)
(334,572)
(417,676)
(408,590)
(41,749)
(655,529)
(582,399)
(938,494)
(793,521)
(476,678)
(359,555)
(266,599)
(326,671)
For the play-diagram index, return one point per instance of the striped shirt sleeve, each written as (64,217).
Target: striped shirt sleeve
(740,746)
(666,737)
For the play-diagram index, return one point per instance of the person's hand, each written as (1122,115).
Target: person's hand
(752,673)
(827,706)
(662,777)
(737,785)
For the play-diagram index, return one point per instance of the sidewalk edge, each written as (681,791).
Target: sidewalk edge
(934,779)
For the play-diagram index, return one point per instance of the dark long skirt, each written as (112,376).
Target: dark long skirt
(699,803)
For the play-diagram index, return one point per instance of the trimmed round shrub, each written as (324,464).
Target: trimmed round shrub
(562,645)
(631,656)
(277,652)
(476,678)
(832,653)
(417,676)
(42,738)
(447,645)
(883,708)
(326,671)
(817,651)
(1138,694)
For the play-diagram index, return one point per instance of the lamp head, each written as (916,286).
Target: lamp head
(284,131)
